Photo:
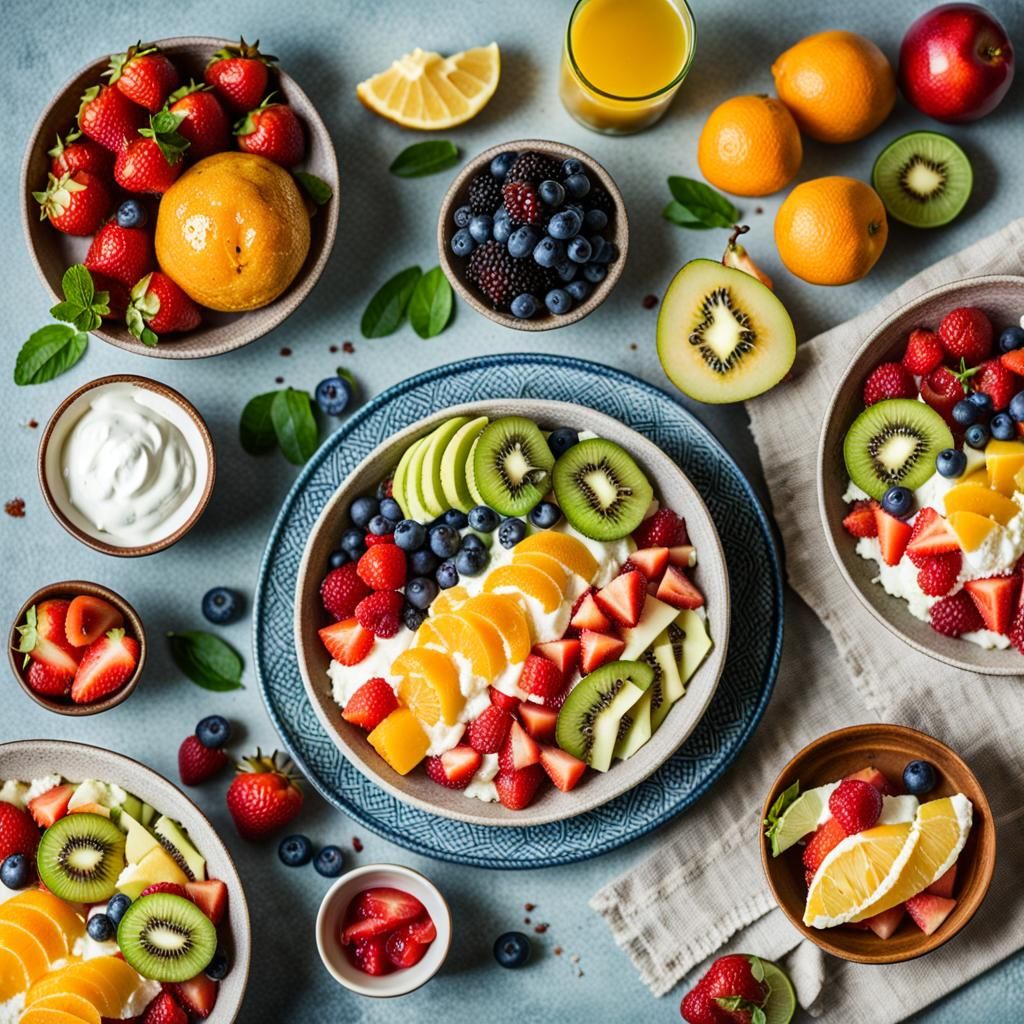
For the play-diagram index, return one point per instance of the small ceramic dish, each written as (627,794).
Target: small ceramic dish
(455,268)
(164,401)
(1002,298)
(53,252)
(33,759)
(331,916)
(67,590)
(887,748)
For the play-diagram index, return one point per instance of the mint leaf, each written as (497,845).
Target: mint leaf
(386,309)
(256,429)
(425,158)
(49,352)
(696,205)
(778,808)
(207,660)
(83,306)
(430,307)
(316,188)
(291,413)
(77,285)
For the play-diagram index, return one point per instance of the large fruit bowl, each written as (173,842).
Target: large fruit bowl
(671,488)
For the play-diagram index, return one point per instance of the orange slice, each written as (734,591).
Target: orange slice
(37,1015)
(981,501)
(527,580)
(24,945)
(448,600)
(400,740)
(557,570)
(70,980)
(44,928)
(568,550)
(115,973)
(429,685)
(426,634)
(70,1002)
(504,613)
(479,641)
(69,922)
(13,975)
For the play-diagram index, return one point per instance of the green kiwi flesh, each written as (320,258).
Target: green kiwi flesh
(80,857)
(512,465)
(166,937)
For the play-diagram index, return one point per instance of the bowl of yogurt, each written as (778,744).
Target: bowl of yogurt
(126,465)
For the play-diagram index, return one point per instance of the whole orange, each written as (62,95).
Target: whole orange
(831,230)
(838,85)
(750,146)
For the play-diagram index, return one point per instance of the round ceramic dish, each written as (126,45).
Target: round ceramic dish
(66,590)
(455,268)
(53,252)
(1002,297)
(30,759)
(671,487)
(887,748)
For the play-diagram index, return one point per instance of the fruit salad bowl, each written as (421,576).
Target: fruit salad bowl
(671,489)
(1002,299)
(53,252)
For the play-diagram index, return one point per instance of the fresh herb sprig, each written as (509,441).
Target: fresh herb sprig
(426,299)
(283,419)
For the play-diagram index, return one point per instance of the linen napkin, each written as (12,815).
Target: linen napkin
(702,893)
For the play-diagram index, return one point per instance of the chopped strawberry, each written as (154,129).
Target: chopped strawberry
(942,389)
(589,616)
(997,381)
(211,897)
(955,615)
(18,832)
(164,1009)
(370,704)
(931,535)
(928,911)
(378,538)
(1014,361)
(885,923)
(455,768)
(540,676)
(944,885)
(108,663)
(383,903)
(938,575)
(370,955)
(487,732)
(88,618)
(893,536)
(422,929)
(860,520)
(889,380)
(539,721)
(994,598)
(623,599)
(677,590)
(365,928)
(564,653)
(875,777)
(199,995)
(516,790)
(520,750)
(197,763)
(650,561)
(856,805)
(504,701)
(51,805)
(383,567)
(404,951)
(381,613)
(51,661)
(821,844)
(47,680)
(924,352)
(346,641)
(966,333)
(342,589)
(662,530)
(563,769)
(596,649)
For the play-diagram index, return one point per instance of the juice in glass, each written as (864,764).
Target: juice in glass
(623,61)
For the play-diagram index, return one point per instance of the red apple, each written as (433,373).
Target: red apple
(956,63)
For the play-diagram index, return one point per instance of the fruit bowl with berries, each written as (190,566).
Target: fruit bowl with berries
(195,181)
(518,602)
(921,474)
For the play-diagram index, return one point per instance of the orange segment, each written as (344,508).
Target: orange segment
(44,928)
(24,945)
(504,613)
(552,566)
(13,976)
(448,600)
(78,1006)
(479,641)
(971,529)
(115,973)
(568,550)
(981,501)
(426,634)
(69,922)
(400,740)
(526,580)
(429,685)
(71,981)
(38,1015)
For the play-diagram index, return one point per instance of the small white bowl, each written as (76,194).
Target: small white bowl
(331,916)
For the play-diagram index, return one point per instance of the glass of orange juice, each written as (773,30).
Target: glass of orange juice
(623,61)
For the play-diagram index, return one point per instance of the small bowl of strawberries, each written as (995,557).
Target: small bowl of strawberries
(195,181)
(77,648)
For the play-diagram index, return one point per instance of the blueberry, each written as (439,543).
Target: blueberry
(483,519)
(595,272)
(965,413)
(447,575)
(1009,341)
(132,214)
(380,527)
(213,731)
(609,251)
(596,220)
(551,193)
(413,617)
(333,395)
(577,185)
(501,213)
(981,400)
(423,562)
(363,510)
(420,591)
(455,518)
(217,969)
(336,559)
(462,243)
(951,463)
(522,241)
(545,515)
(328,862)
(471,561)
(562,439)
(512,949)
(444,540)
(1016,408)
(919,778)
(410,535)
(571,166)
(977,435)
(501,164)
(511,532)
(565,225)
(579,250)
(502,230)
(354,542)
(1003,427)
(558,300)
(480,227)
(471,542)
(221,606)
(566,270)
(524,306)
(295,851)
(390,509)
(463,215)
(548,251)
(898,502)
(16,871)
(118,904)
(579,290)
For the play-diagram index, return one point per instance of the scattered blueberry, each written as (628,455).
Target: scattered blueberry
(132,214)
(524,306)
(413,617)
(1016,408)
(595,272)
(981,400)
(328,862)
(566,270)
(420,591)
(455,518)
(471,542)
(1009,341)
(336,559)
(898,502)
(562,439)
(977,435)
(522,241)
(951,463)
(471,561)
(390,509)
(502,163)
(423,562)
(1003,427)
(596,220)
(579,290)
(558,300)
(462,243)
(354,542)
(919,778)
(480,227)
(444,540)
(577,185)
(565,224)
(295,851)
(571,166)
(545,514)
(118,904)
(502,230)
(100,928)
(333,395)
(548,251)
(363,510)
(463,215)
(380,526)
(410,535)
(965,413)
(217,969)
(447,575)
(511,532)
(16,871)
(221,606)
(512,949)
(483,519)
(213,731)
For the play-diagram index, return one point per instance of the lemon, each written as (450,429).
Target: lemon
(424,90)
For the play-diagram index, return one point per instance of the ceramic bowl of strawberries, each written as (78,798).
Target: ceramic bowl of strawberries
(195,181)
(921,474)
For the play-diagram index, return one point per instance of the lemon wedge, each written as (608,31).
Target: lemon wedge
(429,92)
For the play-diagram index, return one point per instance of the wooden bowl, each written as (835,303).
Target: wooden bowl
(67,590)
(455,267)
(55,492)
(671,487)
(888,748)
(53,252)
(1002,297)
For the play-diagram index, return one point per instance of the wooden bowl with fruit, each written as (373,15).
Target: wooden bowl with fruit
(196,182)
(921,474)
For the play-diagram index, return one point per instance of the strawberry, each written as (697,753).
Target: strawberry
(73,153)
(487,732)
(821,844)
(942,389)
(889,380)
(698,1007)
(48,807)
(587,615)
(955,614)
(650,561)
(170,887)
(264,796)
(732,985)
(928,911)
(893,536)
(522,203)
(860,520)
(123,254)
(152,160)
(18,832)
(622,600)
(51,661)
(88,618)
(966,333)
(144,75)
(342,589)
(199,995)
(541,677)
(520,750)
(274,131)
(118,296)
(391,907)
(197,763)
(939,573)
(404,951)
(856,805)
(381,613)
(996,381)
(538,720)
(924,352)
(422,929)
(48,681)
(370,704)
(378,538)
(1016,633)
(662,530)
(931,535)
(516,790)
(943,886)
(383,567)
(1014,361)
(164,1010)
(159,306)
(455,768)
(684,555)
(346,641)
(211,897)
(596,649)
(677,590)
(240,75)
(370,955)
(994,598)
(204,122)
(562,768)
(108,663)
(74,203)
(564,653)
(885,923)
(504,701)
(108,117)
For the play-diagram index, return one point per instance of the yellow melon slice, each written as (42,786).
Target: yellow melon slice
(982,501)
(1003,461)
(400,740)
(971,529)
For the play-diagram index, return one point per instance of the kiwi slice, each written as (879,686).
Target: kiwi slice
(894,442)
(924,179)
(166,937)
(601,490)
(80,857)
(512,465)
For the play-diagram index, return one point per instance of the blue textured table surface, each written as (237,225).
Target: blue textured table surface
(387,223)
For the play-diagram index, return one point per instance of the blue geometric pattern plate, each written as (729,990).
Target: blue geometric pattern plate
(755,642)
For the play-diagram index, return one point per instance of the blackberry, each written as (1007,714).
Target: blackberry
(484,194)
(501,278)
(599,199)
(534,167)
(522,203)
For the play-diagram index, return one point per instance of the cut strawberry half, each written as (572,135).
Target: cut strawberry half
(564,653)
(211,897)
(994,599)
(928,912)
(504,701)
(199,995)
(650,561)
(539,721)
(596,649)
(622,600)
(934,537)
(944,886)
(51,805)
(108,663)
(370,956)
(677,590)
(589,616)
(1014,361)
(346,641)
(821,844)
(516,790)
(461,763)
(520,750)
(860,520)
(89,618)
(893,536)
(366,928)
(563,769)
(422,929)
(403,951)
(885,923)
(389,905)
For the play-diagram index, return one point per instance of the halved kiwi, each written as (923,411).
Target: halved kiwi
(601,490)
(924,179)
(80,857)
(512,465)
(894,442)
(166,937)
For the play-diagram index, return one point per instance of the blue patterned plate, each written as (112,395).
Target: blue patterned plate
(754,647)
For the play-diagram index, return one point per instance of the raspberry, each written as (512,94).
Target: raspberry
(501,278)
(860,520)
(662,530)
(487,732)
(856,805)
(955,615)
(996,381)
(370,704)
(939,573)
(170,887)
(942,389)
(534,167)
(484,193)
(342,590)
(380,613)
(966,333)
(540,676)
(522,203)
(889,380)
(924,352)
(382,567)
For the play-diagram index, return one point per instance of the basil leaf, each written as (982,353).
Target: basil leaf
(207,660)
(425,158)
(49,352)
(430,307)
(316,188)
(698,205)
(682,217)
(256,429)
(291,413)
(387,308)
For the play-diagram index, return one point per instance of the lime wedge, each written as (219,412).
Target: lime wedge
(798,819)
(781,1003)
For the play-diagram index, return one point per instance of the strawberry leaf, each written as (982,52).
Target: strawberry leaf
(207,660)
